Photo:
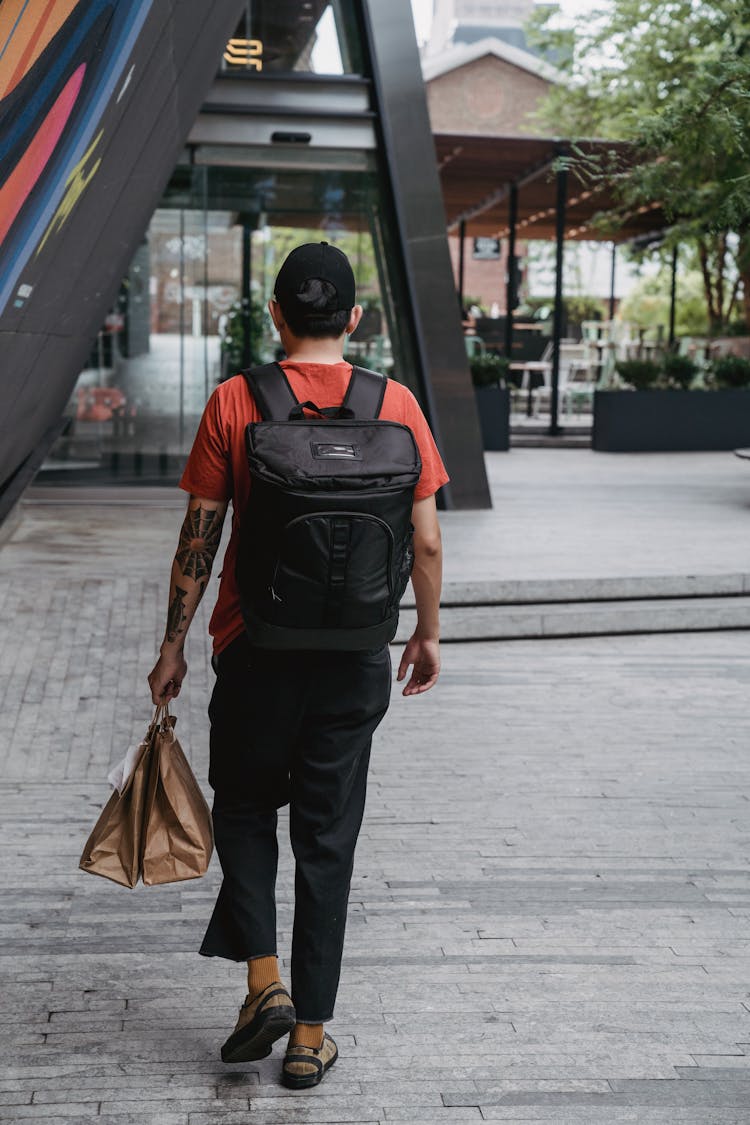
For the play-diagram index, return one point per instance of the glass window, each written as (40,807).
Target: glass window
(311,36)
(192,309)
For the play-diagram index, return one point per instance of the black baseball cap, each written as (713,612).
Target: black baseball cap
(315,260)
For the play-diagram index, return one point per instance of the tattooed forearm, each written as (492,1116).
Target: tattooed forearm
(176,615)
(199,542)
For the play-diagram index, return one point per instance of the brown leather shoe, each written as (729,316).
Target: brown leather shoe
(263,1019)
(305,1066)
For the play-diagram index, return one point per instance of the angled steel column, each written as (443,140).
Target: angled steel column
(134,72)
(510,285)
(408,152)
(612,282)
(562,197)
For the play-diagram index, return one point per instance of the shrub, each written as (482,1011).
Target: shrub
(489,370)
(641,374)
(680,370)
(731,371)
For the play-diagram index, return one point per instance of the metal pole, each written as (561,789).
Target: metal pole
(612,282)
(461,251)
(673,297)
(510,286)
(562,196)
(247,357)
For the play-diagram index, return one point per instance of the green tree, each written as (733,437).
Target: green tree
(671,77)
(647,305)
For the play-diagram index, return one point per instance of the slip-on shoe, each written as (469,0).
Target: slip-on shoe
(263,1019)
(305,1066)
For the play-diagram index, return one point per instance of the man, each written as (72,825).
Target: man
(290,727)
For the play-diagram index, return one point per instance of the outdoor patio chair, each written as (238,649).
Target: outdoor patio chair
(572,363)
(474,346)
(578,391)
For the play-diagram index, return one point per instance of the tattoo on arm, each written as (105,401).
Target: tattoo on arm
(176,615)
(199,542)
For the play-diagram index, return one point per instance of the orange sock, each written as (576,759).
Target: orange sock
(306,1035)
(261,971)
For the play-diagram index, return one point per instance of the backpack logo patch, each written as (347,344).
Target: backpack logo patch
(327,450)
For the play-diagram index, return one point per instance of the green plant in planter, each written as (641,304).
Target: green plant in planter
(641,374)
(730,371)
(680,370)
(489,370)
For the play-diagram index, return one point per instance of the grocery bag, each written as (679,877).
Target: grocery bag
(157,825)
(177,839)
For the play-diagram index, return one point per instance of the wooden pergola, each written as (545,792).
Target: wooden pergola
(479,174)
(517,187)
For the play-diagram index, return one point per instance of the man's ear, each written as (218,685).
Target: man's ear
(354,318)
(277,316)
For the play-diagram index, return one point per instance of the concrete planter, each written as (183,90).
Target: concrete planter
(670,421)
(493,404)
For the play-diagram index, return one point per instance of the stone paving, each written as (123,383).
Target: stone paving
(550,911)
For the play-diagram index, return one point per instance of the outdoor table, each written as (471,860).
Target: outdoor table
(533,375)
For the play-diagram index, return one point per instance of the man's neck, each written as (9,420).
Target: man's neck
(310,350)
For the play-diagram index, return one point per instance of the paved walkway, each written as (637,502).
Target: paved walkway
(557,514)
(550,908)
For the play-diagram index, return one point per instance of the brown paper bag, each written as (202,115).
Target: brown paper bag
(159,826)
(178,837)
(113,849)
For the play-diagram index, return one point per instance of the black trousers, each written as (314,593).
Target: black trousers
(291,728)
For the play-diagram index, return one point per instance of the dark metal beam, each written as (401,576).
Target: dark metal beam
(612,282)
(510,288)
(560,206)
(461,253)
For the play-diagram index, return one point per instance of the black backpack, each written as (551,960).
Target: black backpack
(325,548)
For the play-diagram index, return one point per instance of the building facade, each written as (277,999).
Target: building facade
(291,123)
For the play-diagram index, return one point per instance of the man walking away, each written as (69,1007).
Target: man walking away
(290,727)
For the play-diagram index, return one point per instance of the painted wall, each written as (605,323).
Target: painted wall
(96,100)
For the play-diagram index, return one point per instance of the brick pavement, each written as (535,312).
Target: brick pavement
(549,912)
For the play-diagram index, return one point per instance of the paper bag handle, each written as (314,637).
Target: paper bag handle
(163,720)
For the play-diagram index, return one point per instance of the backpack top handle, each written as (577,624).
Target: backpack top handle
(277,402)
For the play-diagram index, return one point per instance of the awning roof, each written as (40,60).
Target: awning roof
(476,173)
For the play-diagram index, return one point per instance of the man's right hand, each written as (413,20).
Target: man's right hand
(165,679)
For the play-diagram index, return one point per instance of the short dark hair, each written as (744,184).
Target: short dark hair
(321,321)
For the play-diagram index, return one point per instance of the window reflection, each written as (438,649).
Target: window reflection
(312,36)
(192,311)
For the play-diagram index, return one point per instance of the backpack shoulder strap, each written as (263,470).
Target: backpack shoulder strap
(270,388)
(365,393)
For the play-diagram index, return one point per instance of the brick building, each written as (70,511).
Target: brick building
(485,88)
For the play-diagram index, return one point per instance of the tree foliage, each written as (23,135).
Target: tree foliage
(671,77)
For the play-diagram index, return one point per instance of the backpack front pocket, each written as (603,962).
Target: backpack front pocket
(333,570)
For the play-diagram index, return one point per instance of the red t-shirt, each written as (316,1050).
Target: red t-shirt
(217,465)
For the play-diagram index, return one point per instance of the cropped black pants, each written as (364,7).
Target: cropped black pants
(291,728)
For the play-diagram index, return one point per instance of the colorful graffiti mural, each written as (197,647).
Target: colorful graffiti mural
(60,61)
